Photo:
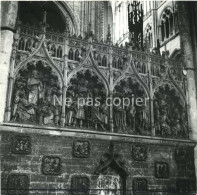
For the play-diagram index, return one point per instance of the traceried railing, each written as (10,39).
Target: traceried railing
(50,67)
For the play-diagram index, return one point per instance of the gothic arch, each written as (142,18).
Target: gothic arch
(66,11)
(93,66)
(172,85)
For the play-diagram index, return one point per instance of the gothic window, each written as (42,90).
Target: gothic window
(167,24)
(59,52)
(139,68)
(70,54)
(21,44)
(114,63)
(99,59)
(119,64)
(171,23)
(153,70)
(104,61)
(144,68)
(162,31)
(77,55)
(167,27)
(53,49)
(28,44)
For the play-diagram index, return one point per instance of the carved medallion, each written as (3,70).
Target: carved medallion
(18,184)
(183,185)
(161,170)
(21,144)
(139,152)
(81,149)
(180,155)
(140,185)
(80,185)
(51,165)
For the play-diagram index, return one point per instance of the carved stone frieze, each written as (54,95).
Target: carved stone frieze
(170,114)
(161,170)
(51,165)
(21,144)
(18,184)
(139,152)
(80,185)
(40,89)
(81,148)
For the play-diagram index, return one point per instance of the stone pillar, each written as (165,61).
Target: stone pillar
(8,19)
(65,84)
(187,50)
(110,95)
(154,26)
(185,24)
(151,98)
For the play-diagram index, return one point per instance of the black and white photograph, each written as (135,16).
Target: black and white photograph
(98,97)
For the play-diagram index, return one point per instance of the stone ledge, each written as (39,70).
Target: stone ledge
(88,134)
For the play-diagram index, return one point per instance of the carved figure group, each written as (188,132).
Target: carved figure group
(83,111)
(34,98)
(169,115)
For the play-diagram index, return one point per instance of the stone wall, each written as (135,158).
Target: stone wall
(47,164)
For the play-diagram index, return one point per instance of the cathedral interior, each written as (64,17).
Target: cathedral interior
(98,97)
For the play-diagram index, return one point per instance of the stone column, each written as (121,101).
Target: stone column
(154,26)
(151,98)
(65,84)
(188,51)
(8,19)
(110,96)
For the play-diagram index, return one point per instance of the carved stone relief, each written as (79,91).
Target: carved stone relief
(170,115)
(140,185)
(35,93)
(21,144)
(109,184)
(51,165)
(87,108)
(18,184)
(139,152)
(180,155)
(80,185)
(161,170)
(81,149)
(132,117)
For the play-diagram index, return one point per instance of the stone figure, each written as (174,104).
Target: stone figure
(34,86)
(164,122)
(35,93)
(130,117)
(22,110)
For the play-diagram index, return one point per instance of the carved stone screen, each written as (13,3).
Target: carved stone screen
(98,97)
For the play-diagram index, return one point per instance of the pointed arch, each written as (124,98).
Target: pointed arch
(28,44)
(104,61)
(53,49)
(70,54)
(114,62)
(21,45)
(77,55)
(120,64)
(99,60)
(59,52)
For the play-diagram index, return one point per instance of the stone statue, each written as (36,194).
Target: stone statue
(34,86)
